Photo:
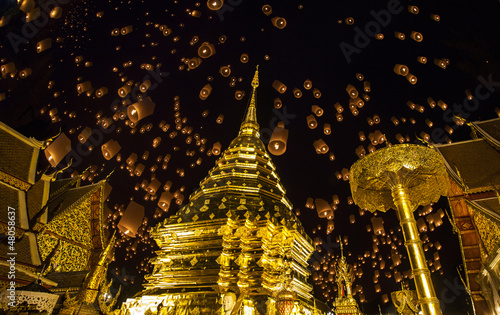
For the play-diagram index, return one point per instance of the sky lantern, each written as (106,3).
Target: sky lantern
(225,71)
(165,200)
(215,4)
(110,149)
(56,13)
(318,111)
(153,186)
(101,92)
(216,149)
(205,91)
(351,90)
(399,35)
(131,219)
(279,86)
(278,22)
(320,146)
(267,9)
(311,122)
(279,138)
(327,129)
(401,69)
(206,50)
(126,30)
(277,103)
(27,5)
(145,86)
(338,107)
(244,58)
(83,87)
(139,168)
(84,134)
(323,208)
(43,45)
(58,149)
(307,84)
(23,74)
(140,110)
(416,36)
(297,93)
(411,78)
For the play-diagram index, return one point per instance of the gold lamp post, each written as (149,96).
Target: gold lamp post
(403,177)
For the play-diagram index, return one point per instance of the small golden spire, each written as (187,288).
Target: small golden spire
(255,80)
(250,127)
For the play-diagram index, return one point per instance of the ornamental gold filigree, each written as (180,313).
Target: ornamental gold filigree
(13,181)
(422,168)
(488,230)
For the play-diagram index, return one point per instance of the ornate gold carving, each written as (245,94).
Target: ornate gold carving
(488,230)
(14,181)
(422,169)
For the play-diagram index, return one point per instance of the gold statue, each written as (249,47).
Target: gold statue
(406,301)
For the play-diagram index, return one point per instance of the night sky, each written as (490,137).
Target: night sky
(328,42)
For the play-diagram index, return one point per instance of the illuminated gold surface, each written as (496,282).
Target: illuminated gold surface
(406,301)
(419,169)
(14,181)
(237,234)
(403,177)
(345,304)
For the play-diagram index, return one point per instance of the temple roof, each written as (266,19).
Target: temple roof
(71,196)
(488,130)
(473,164)
(19,154)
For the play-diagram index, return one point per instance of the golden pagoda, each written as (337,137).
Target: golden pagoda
(236,247)
(345,303)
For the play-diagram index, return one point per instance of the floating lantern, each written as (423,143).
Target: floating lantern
(131,219)
(215,5)
(279,138)
(323,208)
(318,111)
(278,22)
(140,110)
(110,149)
(320,146)
(279,86)
(58,149)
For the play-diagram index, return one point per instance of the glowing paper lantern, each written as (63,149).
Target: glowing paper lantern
(140,110)
(165,200)
(279,86)
(278,22)
(131,219)
(279,138)
(58,149)
(320,146)
(267,9)
(43,45)
(206,50)
(215,4)
(323,208)
(110,149)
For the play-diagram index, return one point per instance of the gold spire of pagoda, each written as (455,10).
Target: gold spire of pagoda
(250,127)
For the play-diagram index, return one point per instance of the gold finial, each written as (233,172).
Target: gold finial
(341,247)
(255,80)
(250,125)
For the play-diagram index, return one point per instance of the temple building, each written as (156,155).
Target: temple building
(53,230)
(474,171)
(236,247)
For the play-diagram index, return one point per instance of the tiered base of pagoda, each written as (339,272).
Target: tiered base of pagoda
(346,306)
